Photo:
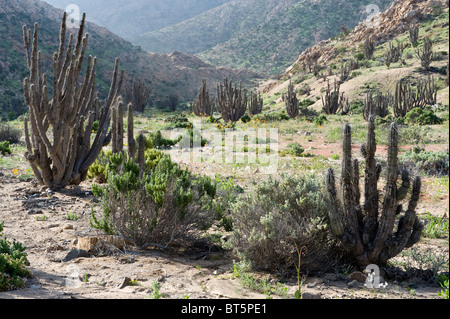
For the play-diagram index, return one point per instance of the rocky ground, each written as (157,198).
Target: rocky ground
(70,260)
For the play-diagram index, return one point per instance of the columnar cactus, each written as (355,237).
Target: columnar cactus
(414,34)
(203,105)
(117,127)
(68,115)
(406,98)
(426,53)
(376,106)
(334,101)
(231,101)
(130,132)
(256,104)
(369,48)
(291,101)
(365,230)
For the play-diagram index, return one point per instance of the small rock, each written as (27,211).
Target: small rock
(76,253)
(125,282)
(35,212)
(352,284)
(358,276)
(330,277)
(68,226)
(310,295)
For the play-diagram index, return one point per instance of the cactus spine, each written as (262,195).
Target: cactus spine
(367,234)
(70,113)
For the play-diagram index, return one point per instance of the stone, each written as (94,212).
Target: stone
(104,244)
(124,282)
(358,276)
(310,295)
(75,253)
(352,284)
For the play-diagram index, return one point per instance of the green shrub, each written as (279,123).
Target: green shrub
(4,148)
(435,227)
(431,163)
(422,117)
(13,260)
(178,121)
(95,126)
(9,134)
(106,161)
(320,120)
(158,206)
(157,141)
(295,149)
(359,56)
(273,215)
(273,116)
(246,119)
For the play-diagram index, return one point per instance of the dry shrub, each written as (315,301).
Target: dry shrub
(275,214)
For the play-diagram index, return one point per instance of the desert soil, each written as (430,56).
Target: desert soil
(198,272)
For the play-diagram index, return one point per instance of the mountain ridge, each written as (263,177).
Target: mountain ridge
(166,73)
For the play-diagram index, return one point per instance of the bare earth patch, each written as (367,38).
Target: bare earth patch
(40,220)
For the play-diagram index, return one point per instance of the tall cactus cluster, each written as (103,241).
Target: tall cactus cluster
(367,231)
(334,101)
(377,105)
(203,105)
(231,101)
(135,149)
(69,114)
(406,97)
(255,105)
(394,53)
(291,101)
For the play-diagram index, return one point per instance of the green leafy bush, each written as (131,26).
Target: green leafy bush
(273,116)
(4,148)
(422,117)
(276,213)
(295,149)
(431,163)
(157,141)
(435,227)
(13,260)
(320,120)
(158,206)
(9,133)
(246,119)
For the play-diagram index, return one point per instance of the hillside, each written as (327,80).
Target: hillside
(131,18)
(266,36)
(392,25)
(168,75)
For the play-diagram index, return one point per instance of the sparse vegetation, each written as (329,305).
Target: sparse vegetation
(321,211)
